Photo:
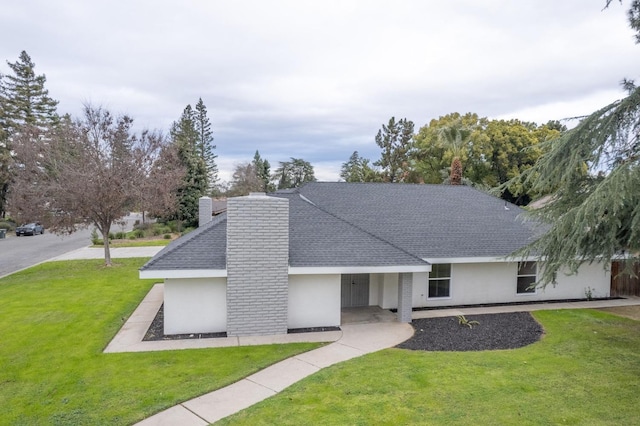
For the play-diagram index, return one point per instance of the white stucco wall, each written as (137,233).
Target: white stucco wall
(477,283)
(388,291)
(195,305)
(314,301)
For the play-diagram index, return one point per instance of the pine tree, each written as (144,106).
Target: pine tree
(24,102)
(357,169)
(24,97)
(5,171)
(263,172)
(204,145)
(195,182)
(395,141)
(592,174)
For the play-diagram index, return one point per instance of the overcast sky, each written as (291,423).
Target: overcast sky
(315,80)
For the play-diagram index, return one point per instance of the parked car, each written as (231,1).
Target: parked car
(33,228)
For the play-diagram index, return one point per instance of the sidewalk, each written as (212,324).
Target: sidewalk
(117,252)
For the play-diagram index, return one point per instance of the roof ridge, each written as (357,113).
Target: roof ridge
(306,199)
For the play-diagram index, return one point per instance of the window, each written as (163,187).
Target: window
(526,277)
(440,280)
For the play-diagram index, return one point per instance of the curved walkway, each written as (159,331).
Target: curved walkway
(356,340)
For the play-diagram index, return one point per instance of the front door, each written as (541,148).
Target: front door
(355,290)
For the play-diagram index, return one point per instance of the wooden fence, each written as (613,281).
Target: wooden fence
(624,284)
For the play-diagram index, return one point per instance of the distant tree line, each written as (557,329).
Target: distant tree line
(456,149)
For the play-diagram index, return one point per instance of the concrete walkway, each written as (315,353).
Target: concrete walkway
(356,340)
(116,253)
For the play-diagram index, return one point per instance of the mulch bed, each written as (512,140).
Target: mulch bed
(156,331)
(494,331)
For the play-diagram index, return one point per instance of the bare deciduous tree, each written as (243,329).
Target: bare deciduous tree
(87,172)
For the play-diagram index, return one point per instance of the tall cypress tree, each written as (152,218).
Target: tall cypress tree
(263,172)
(195,182)
(204,144)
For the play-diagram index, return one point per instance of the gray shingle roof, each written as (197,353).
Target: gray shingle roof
(429,221)
(369,224)
(203,248)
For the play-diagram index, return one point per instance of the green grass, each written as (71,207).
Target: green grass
(135,243)
(585,371)
(55,320)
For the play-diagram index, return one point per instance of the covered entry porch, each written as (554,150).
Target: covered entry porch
(367,297)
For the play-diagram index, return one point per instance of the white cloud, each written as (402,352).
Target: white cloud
(315,80)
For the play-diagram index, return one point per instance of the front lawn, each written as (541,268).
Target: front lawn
(55,320)
(585,370)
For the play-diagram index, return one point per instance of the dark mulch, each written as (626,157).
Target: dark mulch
(311,329)
(495,331)
(156,331)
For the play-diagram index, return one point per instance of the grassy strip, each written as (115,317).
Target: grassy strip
(56,319)
(134,243)
(584,371)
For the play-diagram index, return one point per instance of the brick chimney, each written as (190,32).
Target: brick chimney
(205,210)
(257,265)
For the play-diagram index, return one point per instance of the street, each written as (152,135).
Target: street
(17,253)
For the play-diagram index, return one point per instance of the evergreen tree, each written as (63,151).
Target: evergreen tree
(24,102)
(294,173)
(5,171)
(204,144)
(262,169)
(195,181)
(395,141)
(24,97)
(357,169)
(592,173)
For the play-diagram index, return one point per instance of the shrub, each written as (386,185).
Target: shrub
(138,233)
(132,237)
(121,235)
(111,235)
(95,240)
(156,231)
(143,226)
(167,236)
(8,225)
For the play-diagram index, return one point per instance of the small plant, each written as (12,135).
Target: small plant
(139,233)
(95,240)
(462,320)
(121,235)
(132,237)
(588,292)
(167,236)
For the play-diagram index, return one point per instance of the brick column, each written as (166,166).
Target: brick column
(405,296)
(257,265)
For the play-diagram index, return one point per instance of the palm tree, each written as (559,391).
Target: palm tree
(455,137)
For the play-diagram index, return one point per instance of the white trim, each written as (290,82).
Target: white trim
(357,269)
(453,260)
(184,273)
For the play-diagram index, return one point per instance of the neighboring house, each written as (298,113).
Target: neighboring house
(294,258)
